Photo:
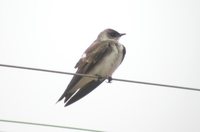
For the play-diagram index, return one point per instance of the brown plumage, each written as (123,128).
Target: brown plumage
(101,59)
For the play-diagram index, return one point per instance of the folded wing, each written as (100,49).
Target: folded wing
(79,85)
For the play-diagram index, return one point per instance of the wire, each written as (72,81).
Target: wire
(93,76)
(48,125)
(44,70)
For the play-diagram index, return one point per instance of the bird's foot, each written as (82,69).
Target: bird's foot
(109,79)
(100,78)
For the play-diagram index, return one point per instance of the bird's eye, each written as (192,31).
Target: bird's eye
(113,34)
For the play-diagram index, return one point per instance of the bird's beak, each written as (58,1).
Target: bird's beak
(121,34)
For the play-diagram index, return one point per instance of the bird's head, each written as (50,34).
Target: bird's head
(109,34)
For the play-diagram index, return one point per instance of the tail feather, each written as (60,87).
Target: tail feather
(81,92)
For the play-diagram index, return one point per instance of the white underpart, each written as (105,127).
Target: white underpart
(104,68)
(109,63)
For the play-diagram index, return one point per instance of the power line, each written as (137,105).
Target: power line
(48,125)
(157,84)
(44,70)
(93,76)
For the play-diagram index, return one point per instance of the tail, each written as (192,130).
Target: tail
(78,94)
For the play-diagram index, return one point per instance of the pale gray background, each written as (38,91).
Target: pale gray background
(163,46)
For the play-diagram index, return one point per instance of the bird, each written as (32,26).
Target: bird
(100,59)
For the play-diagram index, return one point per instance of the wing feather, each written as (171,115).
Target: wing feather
(93,55)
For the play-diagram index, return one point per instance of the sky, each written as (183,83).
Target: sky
(162,43)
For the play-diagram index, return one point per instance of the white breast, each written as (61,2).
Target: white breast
(110,62)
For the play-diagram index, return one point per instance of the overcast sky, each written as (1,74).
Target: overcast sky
(163,46)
